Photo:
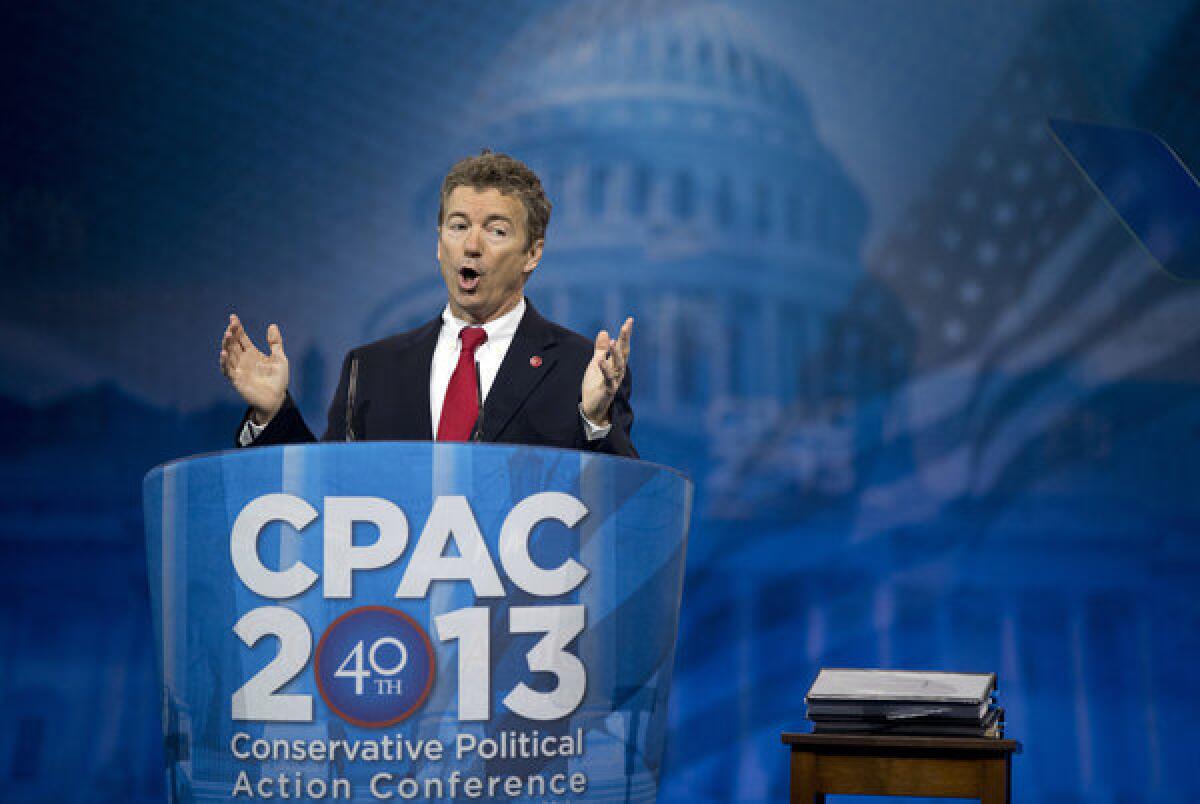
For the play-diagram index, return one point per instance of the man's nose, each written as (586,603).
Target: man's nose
(473,244)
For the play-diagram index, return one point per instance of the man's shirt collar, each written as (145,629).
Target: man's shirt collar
(500,328)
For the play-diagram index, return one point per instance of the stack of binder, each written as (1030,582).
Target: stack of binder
(845,701)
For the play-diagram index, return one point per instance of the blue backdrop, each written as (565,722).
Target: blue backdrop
(940,406)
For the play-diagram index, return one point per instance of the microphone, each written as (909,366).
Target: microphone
(351,390)
(477,430)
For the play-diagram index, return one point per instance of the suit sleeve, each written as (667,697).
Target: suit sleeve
(619,440)
(287,427)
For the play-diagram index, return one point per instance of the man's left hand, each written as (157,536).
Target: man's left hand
(605,374)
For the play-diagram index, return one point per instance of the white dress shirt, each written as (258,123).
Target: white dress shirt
(489,355)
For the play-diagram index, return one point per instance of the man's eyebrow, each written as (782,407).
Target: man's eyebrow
(495,216)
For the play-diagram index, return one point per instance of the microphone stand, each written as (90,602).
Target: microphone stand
(477,430)
(351,390)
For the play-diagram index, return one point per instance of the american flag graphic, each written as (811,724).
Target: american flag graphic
(1021,296)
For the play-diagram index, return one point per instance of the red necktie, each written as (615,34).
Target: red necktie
(460,409)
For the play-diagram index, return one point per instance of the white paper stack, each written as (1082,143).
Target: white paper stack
(904,702)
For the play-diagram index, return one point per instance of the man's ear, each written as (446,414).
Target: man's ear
(439,246)
(535,256)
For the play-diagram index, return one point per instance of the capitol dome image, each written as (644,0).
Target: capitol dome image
(690,190)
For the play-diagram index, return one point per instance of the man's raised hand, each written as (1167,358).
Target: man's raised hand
(605,374)
(261,379)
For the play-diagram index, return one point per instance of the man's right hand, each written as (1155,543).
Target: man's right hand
(261,379)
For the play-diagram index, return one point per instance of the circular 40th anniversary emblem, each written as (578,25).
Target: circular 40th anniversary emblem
(374,666)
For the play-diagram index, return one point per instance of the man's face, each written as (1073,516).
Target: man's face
(481,248)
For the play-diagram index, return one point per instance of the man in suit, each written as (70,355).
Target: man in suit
(488,368)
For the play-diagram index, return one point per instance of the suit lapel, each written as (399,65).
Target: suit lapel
(518,376)
(416,362)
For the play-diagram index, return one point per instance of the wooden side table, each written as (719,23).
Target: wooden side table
(876,765)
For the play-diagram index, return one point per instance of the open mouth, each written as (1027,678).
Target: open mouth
(468,279)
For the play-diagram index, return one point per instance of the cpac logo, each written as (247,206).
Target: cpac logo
(394,698)
(451,518)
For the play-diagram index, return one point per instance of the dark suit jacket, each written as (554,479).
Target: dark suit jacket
(527,404)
